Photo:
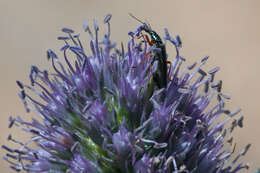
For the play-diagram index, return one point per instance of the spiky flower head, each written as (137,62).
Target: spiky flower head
(105,112)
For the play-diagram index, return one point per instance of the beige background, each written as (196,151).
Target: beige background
(227,30)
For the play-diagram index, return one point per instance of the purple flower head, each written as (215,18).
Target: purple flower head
(106,110)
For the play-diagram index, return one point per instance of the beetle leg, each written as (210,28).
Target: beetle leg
(140,36)
(170,63)
(145,56)
(148,40)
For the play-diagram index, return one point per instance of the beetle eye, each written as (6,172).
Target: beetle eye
(149,26)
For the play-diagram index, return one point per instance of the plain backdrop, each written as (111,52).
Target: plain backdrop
(226,30)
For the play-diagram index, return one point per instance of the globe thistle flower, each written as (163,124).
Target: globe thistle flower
(101,115)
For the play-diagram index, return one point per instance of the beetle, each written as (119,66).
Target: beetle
(160,76)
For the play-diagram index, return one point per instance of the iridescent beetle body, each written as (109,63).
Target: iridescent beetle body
(160,76)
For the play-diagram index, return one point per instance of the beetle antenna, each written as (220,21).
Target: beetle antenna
(130,14)
(148,24)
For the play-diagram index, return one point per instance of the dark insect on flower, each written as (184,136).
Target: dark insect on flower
(158,54)
(100,115)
